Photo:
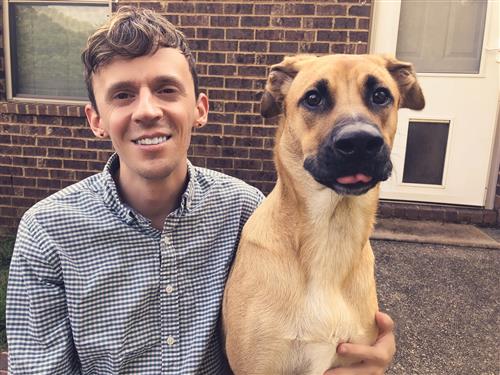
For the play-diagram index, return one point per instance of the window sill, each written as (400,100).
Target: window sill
(42,109)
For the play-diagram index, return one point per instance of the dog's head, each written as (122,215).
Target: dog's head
(340,114)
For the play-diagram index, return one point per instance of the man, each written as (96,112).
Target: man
(123,272)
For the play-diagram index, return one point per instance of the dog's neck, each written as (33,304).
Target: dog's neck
(340,229)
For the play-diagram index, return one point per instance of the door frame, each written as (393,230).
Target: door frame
(491,44)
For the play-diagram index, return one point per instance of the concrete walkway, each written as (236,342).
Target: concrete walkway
(444,299)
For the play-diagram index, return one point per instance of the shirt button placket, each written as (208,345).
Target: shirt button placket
(169,306)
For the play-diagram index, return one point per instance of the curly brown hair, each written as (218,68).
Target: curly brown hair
(132,32)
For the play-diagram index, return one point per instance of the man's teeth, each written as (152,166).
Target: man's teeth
(151,141)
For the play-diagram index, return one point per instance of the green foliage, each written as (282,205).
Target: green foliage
(6,247)
(47,41)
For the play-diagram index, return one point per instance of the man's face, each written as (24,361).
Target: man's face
(147,108)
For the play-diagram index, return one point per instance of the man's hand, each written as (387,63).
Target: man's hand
(374,359)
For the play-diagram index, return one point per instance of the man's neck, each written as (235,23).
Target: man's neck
(154,199)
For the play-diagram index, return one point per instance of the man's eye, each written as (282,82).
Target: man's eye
(122,96)
(167,90)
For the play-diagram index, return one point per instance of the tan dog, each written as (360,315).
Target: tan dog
(303,278)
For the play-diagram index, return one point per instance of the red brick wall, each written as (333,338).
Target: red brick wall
(44,147)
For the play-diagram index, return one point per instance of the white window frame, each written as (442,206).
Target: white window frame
(7,47)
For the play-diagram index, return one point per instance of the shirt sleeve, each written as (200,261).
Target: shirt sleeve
(38,328)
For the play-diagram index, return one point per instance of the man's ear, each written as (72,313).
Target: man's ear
(406,78)
(278,83)
(201,114)
(95,122)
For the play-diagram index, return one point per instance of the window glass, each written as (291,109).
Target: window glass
(46,42)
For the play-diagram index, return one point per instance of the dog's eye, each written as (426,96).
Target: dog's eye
(381,96)
(313,98)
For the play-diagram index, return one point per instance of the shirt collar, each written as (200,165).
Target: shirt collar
(113,201)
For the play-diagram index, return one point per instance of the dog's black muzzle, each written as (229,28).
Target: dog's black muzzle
(352,159)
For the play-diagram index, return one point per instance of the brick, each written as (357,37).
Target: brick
(261,154)
(180,7)
(82,133)
(101,144)
(263,131)
(240,34)
(208,81)
(288,47)
(217,163)
(238,130)
(12,170)
(48,141)
(241,58)
(470,216)
(24,162)
(490,217)
(238,83)
(206,151)
(299,9)
(253,71)
(34,151)
(156,6)
(11,129)
(48,120)
(239,8)
(224,70)
(11,150)
(286,22)
(315,48)
(33,130)
(273,9)
(331,10)
(361,48)
(53,163)
(344,23)
(36,193)
(212,57)
(247,164)
(62,174)
(249,142)
(331,36)
(318,22)
(255,21)
(59,153)
(358,36)
(223,45)
(36,172)
(364,23)
(249,119)
(211,8)
(195,20)
(221,94)
(224,21)
(215,140)
(59,132)
(75,164)
(234,152)
(76,143)
(189,32)
(199,44)
(270,34)
(225,118)
(253,46)
(360,10)
(23,181)
(245,95)
(237,107)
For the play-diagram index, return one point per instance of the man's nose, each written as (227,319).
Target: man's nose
(147,109)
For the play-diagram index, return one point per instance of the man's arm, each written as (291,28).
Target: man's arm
(38,329)
(374,359)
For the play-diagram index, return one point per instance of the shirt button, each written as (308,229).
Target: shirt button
(169,289)
(170,341)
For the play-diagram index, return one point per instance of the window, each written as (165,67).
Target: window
(44,40)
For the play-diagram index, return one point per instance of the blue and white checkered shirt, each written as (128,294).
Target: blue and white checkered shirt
(95,289)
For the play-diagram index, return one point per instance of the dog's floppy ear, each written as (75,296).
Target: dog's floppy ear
(404,74)
(278,82)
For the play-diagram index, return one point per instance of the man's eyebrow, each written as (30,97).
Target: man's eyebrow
(159,80)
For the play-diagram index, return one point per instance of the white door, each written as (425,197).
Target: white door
(443,153)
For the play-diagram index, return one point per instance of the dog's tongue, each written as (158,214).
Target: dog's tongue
(359,177)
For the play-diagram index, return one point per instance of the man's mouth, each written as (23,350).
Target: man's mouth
(152,140)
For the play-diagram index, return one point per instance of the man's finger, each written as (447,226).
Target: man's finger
(384,322)
(359,353)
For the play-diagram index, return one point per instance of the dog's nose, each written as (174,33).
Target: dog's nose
(358,140)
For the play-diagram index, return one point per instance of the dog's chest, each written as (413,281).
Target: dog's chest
(324,321)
